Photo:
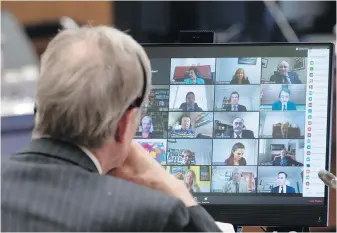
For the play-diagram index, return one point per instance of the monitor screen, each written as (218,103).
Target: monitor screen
(241,124)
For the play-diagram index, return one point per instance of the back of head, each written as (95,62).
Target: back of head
(89,77)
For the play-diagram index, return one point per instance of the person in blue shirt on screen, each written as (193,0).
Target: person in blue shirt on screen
(194,76)
(185,131)
(283,104)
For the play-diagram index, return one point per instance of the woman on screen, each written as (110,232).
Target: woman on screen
(236,158)
(146,128)
(191,182)
(194,76)
(240,77)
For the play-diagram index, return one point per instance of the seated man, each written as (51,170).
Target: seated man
(194,77)
(238,130)
(236,184)
(283,76)
(285,160)
(234,106)
(283,104)
(185,131)
(190,104)
(282,187)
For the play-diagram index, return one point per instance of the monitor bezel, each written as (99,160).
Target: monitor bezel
(274,215)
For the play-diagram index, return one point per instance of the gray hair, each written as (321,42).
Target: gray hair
(89,77)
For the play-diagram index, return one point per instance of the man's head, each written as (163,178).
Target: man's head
(234,98)
(89,90)
(190,98)
(284,128)
(281,178)
(187,157)
(238,124)
(147,126)
(185,122)
(284,95)
(236,177)
(283,153)
(283,68)
(193,72)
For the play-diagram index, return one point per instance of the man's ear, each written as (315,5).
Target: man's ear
(127,126)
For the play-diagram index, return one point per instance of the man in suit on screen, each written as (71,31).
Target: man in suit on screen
(285,160)
(239,130)
(236,184)
(282,187)
(83,171)
(283,104)
(284,76)
(234,106)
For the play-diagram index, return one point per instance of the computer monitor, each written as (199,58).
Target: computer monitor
(245,127)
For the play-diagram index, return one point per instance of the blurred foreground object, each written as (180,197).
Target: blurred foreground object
(19,68)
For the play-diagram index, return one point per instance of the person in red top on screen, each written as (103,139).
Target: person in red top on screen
(236,158)
(194,76)
(240,77)
(234,106)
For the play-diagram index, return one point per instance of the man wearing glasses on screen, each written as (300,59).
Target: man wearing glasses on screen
(239,130)
(236,184)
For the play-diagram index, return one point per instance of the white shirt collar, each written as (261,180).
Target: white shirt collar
(93,159)
(284,188)
(240,135)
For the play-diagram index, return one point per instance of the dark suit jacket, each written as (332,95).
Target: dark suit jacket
(278,78)
(289,189)
(241,108)
(245,134)
(291,162)
(277,105)
(54,186)
(183,107)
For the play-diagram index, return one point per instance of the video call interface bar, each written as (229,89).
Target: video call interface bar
(229,125)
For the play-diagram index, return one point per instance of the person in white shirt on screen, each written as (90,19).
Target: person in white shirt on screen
(236,184)
(284,76)
(283,104)
(239,130)
(282,187)
(234,106)
(190,104)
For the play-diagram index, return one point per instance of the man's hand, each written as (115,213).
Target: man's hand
(140,168)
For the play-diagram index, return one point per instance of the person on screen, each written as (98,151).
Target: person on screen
(190,104)
(191,181)
(240,77)
(236,184)
(284,76)
(194,76)
(281,182)
(284,132)
(285,160)
(146,128)
(234,106)
(239,130)
(236,158)
(283,104)
(187,157)
(185,130)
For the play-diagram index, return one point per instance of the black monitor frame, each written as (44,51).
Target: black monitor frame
(271,215)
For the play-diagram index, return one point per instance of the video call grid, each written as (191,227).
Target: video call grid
(212,136)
